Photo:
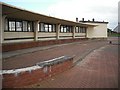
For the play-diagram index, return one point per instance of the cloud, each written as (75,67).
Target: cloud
(98,9)
(106,10)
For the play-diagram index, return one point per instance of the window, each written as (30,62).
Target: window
(13,25)
(18,26)
(24,25)
(61,29)
(80,30)
(30,26)
(46,27)
(77,29)
(50,28)
(65,29)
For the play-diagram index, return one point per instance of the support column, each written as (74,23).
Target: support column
(1,40)
(86,33)
(2,29)
(57,30)
(73,31)
(36,29)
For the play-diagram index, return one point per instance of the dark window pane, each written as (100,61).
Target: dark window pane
(24,25)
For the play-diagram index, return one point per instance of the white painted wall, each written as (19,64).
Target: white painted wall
(8,35)
(65,34)
(100,31)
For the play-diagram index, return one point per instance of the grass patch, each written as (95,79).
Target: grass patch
(114,34)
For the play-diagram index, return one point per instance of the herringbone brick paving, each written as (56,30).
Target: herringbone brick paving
(97,70)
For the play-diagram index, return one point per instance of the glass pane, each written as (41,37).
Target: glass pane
(11,25)
(30,26)
(50,28)
(18,26)
(46,29)
(24,25)
(76,29)
(45,25)
(61,29)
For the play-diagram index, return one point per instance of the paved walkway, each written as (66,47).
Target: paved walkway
(99,69)
(29,57)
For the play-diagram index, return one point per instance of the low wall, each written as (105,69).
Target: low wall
(31,75)
(23,45)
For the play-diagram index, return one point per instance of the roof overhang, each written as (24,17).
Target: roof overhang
(18,13)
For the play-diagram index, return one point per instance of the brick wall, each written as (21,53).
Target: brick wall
(28,78)
(23,45)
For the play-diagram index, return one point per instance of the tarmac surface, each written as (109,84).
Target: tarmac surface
(99,69)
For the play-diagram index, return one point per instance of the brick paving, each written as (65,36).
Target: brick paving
(31,58)
(99,69)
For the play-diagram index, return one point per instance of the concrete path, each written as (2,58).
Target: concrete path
(99,69)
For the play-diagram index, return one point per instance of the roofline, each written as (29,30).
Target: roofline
(12,6)
(93,22)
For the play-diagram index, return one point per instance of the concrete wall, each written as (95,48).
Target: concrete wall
(8,36)
(100,31)
(80,35)
(65,35)
(46,36)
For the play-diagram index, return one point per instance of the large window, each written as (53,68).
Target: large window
(80,30)
(65,29)
(18,25)
(46,27)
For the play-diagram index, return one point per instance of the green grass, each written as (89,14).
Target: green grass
(114,34)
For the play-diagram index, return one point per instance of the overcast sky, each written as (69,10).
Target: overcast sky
(100,10)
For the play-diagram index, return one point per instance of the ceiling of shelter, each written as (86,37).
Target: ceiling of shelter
(13,12)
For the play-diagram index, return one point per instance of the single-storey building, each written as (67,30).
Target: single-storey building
(22,29)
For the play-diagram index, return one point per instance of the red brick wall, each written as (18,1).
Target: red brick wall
(29,78)
(17,46)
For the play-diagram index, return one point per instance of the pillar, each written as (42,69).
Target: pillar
(36,29)
(73,29)
(1,40)
(57,30)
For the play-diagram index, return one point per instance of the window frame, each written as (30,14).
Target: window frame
(47,28)
(18,20)
(66,29)
(81,29)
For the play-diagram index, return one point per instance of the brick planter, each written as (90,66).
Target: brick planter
(30,77)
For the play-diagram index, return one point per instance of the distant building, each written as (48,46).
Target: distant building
(99,31)
(25,29)
(116,29)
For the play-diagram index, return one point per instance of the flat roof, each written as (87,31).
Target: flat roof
(93,22)
(11,11)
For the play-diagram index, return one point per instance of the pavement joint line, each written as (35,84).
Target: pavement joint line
(44,48)
(83,56)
